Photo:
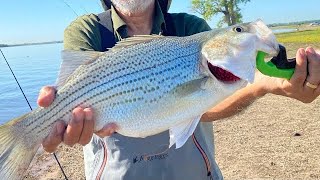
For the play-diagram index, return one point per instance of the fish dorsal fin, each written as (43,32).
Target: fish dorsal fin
(71,60)
(135,40)
(180,133)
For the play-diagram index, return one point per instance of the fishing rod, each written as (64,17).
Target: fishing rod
(25,97)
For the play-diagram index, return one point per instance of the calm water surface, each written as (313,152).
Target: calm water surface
(34,67)
(284,30)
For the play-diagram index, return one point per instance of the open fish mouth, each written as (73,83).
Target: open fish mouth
(222,75)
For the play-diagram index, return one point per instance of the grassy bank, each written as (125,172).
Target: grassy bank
(307,36)
(300,39)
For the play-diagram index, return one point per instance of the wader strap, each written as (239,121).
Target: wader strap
(170,28)
(106,30)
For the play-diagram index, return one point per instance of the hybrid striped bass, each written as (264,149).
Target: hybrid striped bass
(145,84)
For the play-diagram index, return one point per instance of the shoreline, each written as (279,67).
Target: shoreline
(29,44)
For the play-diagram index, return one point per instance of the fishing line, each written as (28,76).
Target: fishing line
(16,79)
(84,9)
(70,7)
(100,5)
(25,97)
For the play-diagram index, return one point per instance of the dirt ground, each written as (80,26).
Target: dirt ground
(276,138)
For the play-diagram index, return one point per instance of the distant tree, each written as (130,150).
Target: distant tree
(229,8)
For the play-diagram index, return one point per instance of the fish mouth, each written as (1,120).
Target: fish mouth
(222,74)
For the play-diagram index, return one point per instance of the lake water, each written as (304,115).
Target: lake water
(34,67)
(283,30)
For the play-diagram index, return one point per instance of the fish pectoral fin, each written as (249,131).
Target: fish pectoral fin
(189,88)
(179,134)
(71,60)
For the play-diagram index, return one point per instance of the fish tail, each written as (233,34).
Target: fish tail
(16,152)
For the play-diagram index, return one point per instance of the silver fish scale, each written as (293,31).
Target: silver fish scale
(155,86)
(118,83)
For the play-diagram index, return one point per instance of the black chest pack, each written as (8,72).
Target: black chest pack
(107,32)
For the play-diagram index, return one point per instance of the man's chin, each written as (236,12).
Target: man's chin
(132,6)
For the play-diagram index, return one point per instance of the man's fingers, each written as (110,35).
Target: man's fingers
(51,142)
(300,72)
(107,130)
(46,96)
(88,126)
(313,66)
(75,126)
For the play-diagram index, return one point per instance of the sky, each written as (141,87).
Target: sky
(39,20)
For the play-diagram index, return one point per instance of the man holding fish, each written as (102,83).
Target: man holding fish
(120,157)
(140,20)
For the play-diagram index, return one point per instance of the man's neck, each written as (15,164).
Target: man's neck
(139,23)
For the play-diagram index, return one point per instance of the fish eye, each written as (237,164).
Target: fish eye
(238,29)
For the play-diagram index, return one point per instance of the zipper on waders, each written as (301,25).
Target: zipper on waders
(204,156)
(104,161)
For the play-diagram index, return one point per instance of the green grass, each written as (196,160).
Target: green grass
(307,36)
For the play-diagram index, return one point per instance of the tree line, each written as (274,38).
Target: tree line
(231,13)
(4,45)
(229,8)
(30,44)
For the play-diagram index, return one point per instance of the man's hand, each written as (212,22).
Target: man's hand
(307,70)
(79,129)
